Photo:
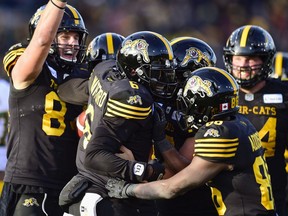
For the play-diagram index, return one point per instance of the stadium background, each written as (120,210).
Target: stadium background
(211,21)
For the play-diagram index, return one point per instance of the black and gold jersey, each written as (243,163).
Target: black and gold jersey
(244,189)
(119,112)
(267,110)
(42,139)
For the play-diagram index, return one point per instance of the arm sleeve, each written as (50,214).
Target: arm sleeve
(74,91)
(100,152)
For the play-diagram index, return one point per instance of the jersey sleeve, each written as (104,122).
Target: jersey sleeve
(214,143)
(12,55)
(129,103)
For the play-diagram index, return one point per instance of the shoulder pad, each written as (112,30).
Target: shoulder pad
(128,102)
(12,55)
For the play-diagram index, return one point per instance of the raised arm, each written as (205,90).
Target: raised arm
(30,63)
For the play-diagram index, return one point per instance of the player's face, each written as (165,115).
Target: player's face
(68,45)
(245,67)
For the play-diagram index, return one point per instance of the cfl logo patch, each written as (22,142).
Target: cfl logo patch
(138,169)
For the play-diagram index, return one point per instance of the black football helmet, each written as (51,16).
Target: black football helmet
(208,94)
(147,57)
(72,21)
(191,53)
(280,65)
(103,47)
(250,40)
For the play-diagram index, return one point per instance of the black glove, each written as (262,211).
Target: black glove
(159,123)
(141,171)
(119,188)
(158,170)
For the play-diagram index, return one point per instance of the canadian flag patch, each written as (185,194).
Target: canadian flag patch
(224,106)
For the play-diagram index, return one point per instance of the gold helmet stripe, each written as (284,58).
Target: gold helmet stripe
(179,39)
(244,36)
(278,64)
(170,53)
(75,14)
(110,45)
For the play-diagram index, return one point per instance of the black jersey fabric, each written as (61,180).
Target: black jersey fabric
(244,189)
(42,140)
(268,111)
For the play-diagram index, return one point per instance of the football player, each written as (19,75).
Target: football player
(120,112)
(42,141)
(190,53)
(248,56)
(228,154)
(102,47)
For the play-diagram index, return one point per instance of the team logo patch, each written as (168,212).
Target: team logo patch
(135,48)
(30,202)
(195,55)
(198,86)
(136,99)
(212,133)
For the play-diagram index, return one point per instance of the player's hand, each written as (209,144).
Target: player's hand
(126,154)
(118,188)
(159,123)
(157,170)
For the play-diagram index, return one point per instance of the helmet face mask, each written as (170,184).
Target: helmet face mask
(72,21)
(250,41)
(147,57)
(209,94)
(103,47)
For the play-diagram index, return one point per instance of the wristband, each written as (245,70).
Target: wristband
(61,8)
(163,145)
(129,190)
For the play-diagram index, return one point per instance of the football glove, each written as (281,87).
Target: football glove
(118,188)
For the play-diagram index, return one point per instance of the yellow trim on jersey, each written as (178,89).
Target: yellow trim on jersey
(110,45)
(244,36)
(223,148)
(278,64)
(10,59)
(132,112)
(116,108)
(142,109)
(75,14)
(169,49)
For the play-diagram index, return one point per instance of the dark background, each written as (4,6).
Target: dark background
(212,21)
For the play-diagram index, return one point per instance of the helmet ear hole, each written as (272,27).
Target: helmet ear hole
(139,71)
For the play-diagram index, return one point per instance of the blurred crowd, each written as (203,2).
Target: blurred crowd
(212,21)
